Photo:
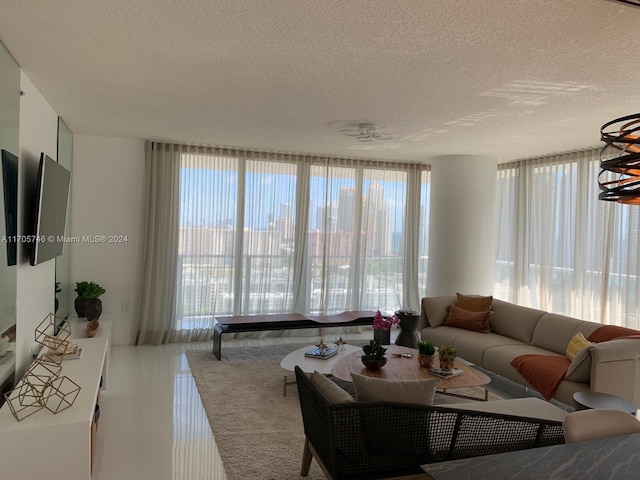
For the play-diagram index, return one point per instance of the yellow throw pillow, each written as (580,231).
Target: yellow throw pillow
(577,343)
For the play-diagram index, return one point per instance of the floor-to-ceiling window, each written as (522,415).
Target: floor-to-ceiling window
(269,233)
(561,249)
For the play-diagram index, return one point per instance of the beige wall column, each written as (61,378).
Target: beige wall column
(461,225)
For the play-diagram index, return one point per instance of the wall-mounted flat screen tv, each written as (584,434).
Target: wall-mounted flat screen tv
(10,188)
(52,199)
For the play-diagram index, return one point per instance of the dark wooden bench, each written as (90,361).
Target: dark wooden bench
(285,321)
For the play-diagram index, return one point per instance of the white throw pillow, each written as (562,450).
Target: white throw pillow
(417,392)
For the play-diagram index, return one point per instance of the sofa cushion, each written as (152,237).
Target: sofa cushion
(472,346)
(522,407)
(473,303)
(477,321)
(514,321)
(554,332)
(331,391)
(498,359)
(580,368)
(448,335)
(436,309)
(417,392)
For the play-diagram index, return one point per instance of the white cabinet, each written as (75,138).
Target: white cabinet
(59,446)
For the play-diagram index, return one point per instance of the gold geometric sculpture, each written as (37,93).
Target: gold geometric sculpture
(60,394)
(42,386)
(53,332)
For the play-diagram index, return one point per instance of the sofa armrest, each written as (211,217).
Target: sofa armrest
(615,368)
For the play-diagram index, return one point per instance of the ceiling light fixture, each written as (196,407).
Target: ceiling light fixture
(635,3)
(366,132)
(625,188)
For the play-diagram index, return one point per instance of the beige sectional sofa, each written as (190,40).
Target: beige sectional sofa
(514,330)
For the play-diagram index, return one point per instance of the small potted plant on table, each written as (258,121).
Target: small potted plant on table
(446,355)
(373,357)
(426,350)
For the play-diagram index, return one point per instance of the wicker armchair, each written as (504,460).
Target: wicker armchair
(368,440)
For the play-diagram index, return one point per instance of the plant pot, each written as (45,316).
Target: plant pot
(373,364)
(93,308)
(78,304)
(425,361)
(446,365)
(382,336)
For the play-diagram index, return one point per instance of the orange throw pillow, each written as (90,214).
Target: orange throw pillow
(474,303)
(461,318)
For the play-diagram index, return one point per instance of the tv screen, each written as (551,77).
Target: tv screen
(10,188)
(52,198)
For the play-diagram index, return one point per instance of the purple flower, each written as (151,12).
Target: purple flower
(381,323)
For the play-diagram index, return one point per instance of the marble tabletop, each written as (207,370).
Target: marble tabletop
(611,458)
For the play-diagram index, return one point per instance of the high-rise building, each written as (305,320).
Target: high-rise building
(346,209)
(326,218)
(376,221)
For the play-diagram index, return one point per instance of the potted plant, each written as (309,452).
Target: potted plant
(446,355)
(426,350)
(382,326)
(93,304)
(79,302)
(373,357)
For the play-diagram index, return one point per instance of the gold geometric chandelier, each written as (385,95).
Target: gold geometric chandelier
(623,136)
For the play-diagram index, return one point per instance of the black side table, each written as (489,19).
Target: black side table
(587,400)
(409,323)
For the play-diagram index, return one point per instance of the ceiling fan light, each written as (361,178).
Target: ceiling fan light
(366,132)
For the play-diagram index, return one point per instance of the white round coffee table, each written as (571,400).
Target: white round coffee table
(310,365)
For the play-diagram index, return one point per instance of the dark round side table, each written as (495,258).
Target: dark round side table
(587,400)
(409,323)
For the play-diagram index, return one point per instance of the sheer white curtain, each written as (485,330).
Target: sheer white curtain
(158,286)
(561,249)
(261,233)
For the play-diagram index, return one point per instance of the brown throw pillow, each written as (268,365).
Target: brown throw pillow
(474,303)
(461,318)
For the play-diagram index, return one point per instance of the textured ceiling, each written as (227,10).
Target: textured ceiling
(506,78)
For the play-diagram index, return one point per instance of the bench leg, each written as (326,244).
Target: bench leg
(217,343)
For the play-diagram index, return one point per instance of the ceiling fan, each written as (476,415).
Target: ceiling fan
(366,132)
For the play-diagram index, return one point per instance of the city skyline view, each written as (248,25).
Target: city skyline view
(245,231)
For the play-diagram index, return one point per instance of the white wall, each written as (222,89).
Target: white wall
(461,226)
(107,198)
(35,285)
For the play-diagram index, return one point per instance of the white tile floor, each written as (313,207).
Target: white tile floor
(153,425)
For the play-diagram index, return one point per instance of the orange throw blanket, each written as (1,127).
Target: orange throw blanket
(611,332)
(543,372)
